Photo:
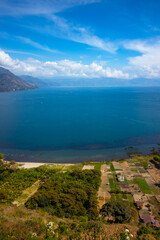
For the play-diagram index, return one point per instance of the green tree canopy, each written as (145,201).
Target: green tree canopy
(1,156)
(120,210)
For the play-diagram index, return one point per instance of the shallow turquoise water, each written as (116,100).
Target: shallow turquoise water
(75,124)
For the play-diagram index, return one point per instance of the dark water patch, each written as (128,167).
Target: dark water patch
(136,141)
(73,156)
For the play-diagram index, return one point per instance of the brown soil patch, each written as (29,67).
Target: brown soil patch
(155,173)
(103,192)
(125,166)
(116,165)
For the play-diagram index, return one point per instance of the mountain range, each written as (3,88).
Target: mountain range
(10,82)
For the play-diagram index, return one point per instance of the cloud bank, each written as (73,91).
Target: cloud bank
(144,65)
(62,68)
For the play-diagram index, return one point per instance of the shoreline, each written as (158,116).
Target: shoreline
(74,156)
(28,165)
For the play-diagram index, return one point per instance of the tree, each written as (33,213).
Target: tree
(120,210)
(1,156)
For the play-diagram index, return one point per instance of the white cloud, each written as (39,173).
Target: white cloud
(66,30)
(38,7)
(21,52)
(148,63)
(63,68)
(37,45)
(5,59)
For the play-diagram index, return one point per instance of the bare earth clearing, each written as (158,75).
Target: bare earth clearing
(88,167)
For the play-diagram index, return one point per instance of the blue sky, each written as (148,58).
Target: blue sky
(81,38)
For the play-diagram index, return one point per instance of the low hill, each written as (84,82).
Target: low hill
(10,82)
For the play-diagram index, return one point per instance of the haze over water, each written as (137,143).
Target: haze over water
(77,124)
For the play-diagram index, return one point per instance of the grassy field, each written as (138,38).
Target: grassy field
(130,198)
(97,166)
(143,185)
(121,196)
(114,185)
(111,183)
(112,167)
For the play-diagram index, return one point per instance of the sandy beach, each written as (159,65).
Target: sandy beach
(28,165)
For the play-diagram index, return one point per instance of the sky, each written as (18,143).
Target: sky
(81,38)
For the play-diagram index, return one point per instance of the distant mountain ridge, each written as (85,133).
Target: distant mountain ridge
(10,82)
(106,82)
(39,82)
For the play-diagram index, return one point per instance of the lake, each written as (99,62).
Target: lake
(76,124)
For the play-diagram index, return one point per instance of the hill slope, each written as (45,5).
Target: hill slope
(10,82)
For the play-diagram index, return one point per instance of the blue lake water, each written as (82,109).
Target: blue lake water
(77,124)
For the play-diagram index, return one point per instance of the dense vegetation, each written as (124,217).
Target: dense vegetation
(64,205)
(13,181)
(35,224)
(68,194)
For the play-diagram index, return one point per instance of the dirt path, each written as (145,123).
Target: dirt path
(155,174)
(27,193)
(103,192)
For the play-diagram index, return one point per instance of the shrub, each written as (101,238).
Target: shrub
(157,158)
(143,230)
(1,156)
